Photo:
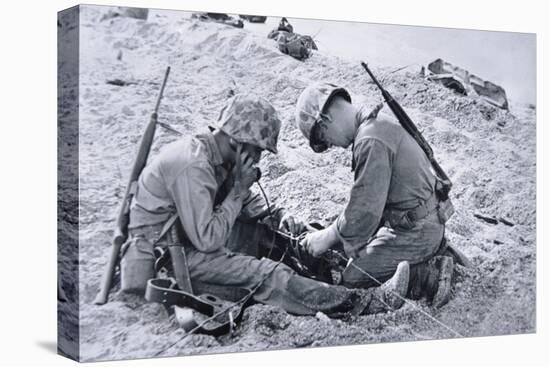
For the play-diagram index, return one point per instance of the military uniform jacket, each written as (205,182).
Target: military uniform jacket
(188,176)
(391,171)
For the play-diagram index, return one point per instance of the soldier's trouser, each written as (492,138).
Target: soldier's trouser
(282,286)
(389,247)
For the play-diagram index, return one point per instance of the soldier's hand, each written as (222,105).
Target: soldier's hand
(316,243)
(291,224)
(248,173)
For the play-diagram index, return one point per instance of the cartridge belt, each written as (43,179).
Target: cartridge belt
(407,218)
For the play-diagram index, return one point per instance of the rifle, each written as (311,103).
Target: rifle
(123,217)
(444,184)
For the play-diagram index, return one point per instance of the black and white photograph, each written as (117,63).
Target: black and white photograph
(237,182)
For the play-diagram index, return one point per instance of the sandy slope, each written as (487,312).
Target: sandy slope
(493,169)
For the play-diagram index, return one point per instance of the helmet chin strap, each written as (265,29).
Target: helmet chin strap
(233,144)
(238,148)
(238,165)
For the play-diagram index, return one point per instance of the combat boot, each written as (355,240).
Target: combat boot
(390,296)
(445,264)
(432,279)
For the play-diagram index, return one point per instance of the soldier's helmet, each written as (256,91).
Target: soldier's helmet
(252,120)
(312,104)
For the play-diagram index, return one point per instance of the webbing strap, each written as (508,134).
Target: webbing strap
(164,292)
(409,217)
(167,225)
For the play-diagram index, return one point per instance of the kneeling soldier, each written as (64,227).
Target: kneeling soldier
(392,213)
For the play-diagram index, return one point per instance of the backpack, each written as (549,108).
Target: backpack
(294,45)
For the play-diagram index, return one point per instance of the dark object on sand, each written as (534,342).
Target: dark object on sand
(308,40)
(290,43)
(136,13)
(123,217)
(293,44)
(219,18)
(458,78)
(119,82)
(61,296)
(490,220)
(506,222)
(253,18)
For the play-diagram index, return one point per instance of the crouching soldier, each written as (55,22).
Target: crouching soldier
(205,180)
(392,213)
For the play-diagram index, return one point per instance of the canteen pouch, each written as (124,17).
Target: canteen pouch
(445,211)
(137,266)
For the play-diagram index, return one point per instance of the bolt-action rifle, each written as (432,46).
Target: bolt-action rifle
(444,184)
(123,218)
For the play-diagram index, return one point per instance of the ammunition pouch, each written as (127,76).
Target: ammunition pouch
(445,210)
(137,265)
(407,219)
(442,189)
(138,258)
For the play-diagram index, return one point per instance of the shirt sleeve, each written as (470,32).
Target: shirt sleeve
(194,191)
(255,209)
(254,206)
(369,193)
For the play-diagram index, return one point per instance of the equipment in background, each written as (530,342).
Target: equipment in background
(122,11)
(253,18)
(218,18)
(290,43)
(463,82)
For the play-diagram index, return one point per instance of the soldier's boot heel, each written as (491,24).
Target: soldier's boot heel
(391,295)
(445,264)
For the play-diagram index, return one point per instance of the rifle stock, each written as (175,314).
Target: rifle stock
(123,217)
(411,128)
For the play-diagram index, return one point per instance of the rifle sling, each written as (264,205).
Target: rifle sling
(166,227)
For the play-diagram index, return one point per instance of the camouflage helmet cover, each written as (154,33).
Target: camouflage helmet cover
(313,102)
(250,120)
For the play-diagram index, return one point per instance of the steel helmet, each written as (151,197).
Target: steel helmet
(312,103)
(252,120)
